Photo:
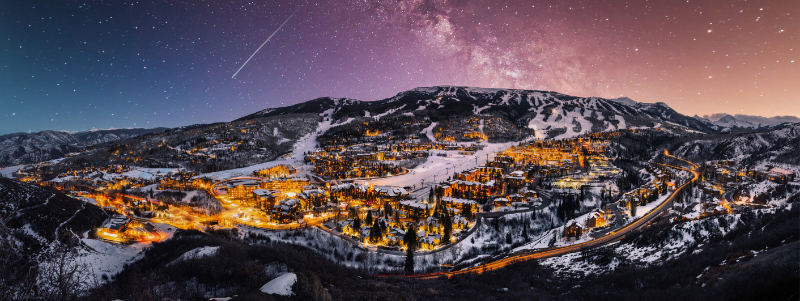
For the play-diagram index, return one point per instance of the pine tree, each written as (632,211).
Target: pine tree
(409,266)
(448,228)
(357,224)
(467,212)
(397,217)
(369,218)
(525,231)
(375,234)
(386,209)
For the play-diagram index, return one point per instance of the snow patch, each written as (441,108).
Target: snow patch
(281,285)
(197,253)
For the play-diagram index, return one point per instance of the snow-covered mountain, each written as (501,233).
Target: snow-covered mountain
(95,136)
(558,114)
(729,122)
(21,148)
(776,145)
(35,147)
(35,214)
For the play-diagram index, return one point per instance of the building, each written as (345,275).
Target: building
(428,241)
(389,193)
(413,208)
(459,204)
(113,229)
(312,197)
(286,211)
(266,199)
(286,184)
(242,189)
(278,171)
(573,230)
(597,218)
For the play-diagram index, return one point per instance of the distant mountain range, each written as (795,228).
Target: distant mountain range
(778,145)
(552,114)
(21,148)
(728,122)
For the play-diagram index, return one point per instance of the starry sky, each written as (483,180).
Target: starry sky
(74,65)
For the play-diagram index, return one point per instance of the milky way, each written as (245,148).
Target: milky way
(73,65)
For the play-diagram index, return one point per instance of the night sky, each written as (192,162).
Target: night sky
(74,65)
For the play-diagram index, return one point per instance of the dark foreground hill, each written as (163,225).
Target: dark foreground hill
(243,264)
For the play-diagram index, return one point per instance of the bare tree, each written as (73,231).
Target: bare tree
(61,276)
(17,273)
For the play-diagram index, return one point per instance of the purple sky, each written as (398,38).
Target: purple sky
(71,66)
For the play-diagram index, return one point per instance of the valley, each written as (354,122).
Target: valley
(434,183)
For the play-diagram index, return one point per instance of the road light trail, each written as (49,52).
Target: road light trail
(265,42)
(540,254)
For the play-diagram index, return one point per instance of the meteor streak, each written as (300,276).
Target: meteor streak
(265,42)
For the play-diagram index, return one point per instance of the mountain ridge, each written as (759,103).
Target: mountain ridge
(21,148)
(517,104)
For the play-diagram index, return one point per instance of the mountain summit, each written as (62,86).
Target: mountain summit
(560,114)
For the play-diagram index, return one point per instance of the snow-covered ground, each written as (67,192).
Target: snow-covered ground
(281,285)
(644,209)
(135,173)
(197,253)
(428,131)
(105,258)
(442,167)
(6,172)
(573,264)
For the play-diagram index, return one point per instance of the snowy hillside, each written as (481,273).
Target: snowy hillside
(554,113)
(778,145)
(21,148)
(35,215)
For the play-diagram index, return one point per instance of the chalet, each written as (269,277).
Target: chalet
(460,223)
(516,179)
(286,211)
(460,204)
(573,230)
(772,173)
(349,190)
(711,190)
(389,193)
(364,233)
(345,226)
(313,197)
(596,218)
(431,224)
(395,236)
(429,241)
(413,208)
(501,202)
(266,198)
(470,189)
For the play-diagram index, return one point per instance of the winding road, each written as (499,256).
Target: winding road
(540,254)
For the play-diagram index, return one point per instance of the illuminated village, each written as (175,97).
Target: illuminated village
(334,187)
